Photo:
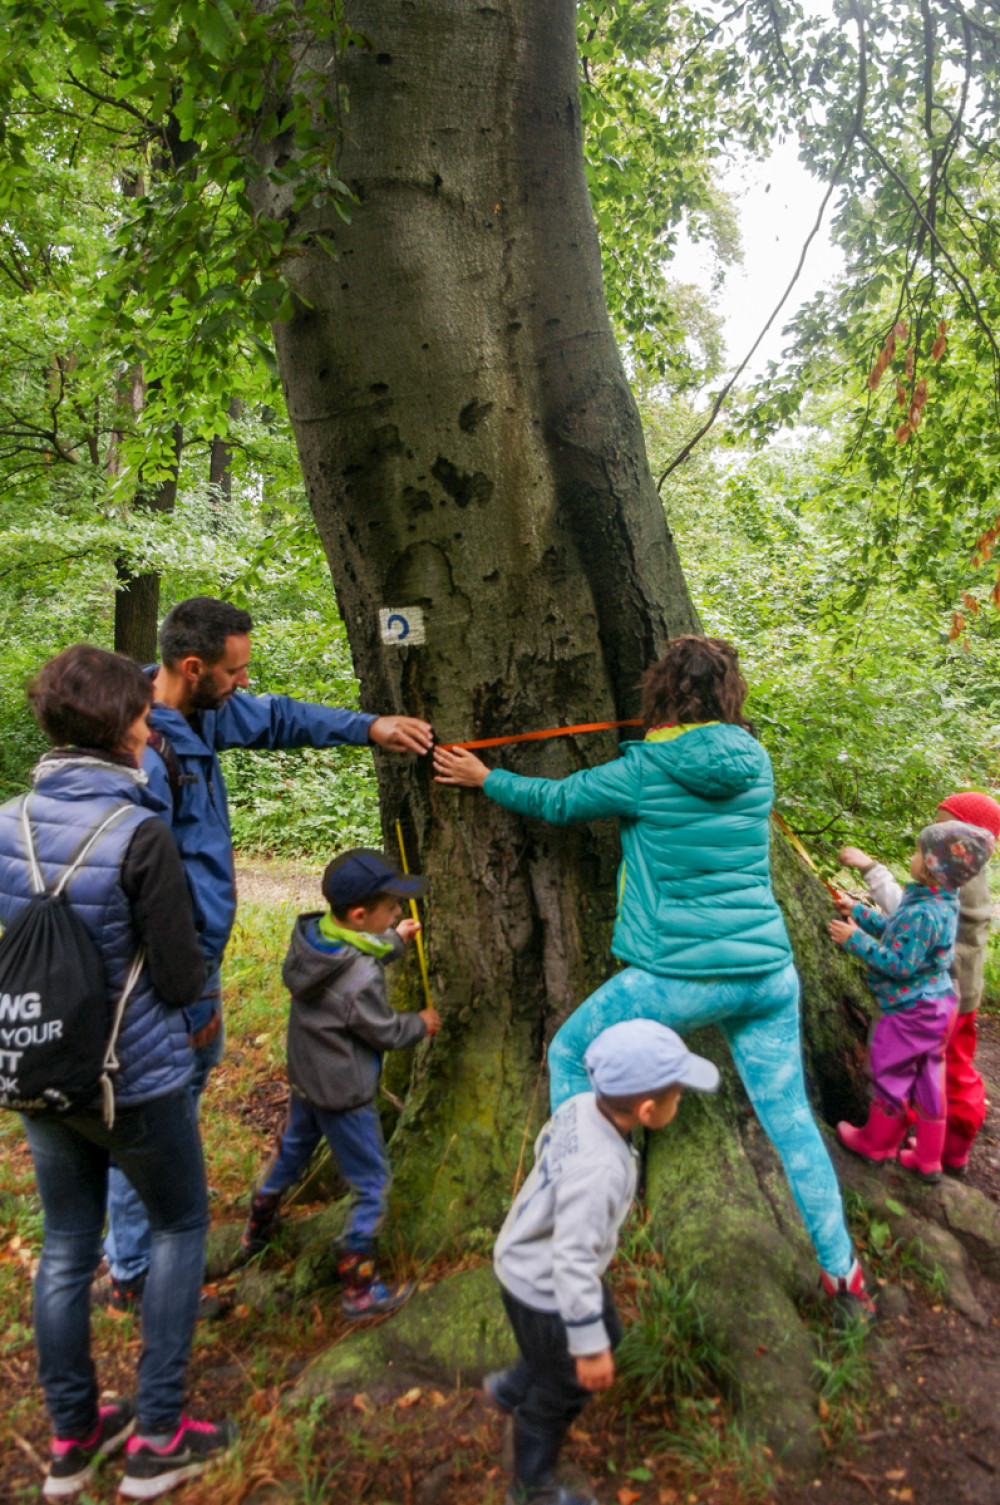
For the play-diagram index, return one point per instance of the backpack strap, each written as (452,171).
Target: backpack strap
(111,1064)
(176,777)
(54,890)
(77,857)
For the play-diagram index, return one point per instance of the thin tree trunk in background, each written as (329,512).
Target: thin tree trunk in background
(220,471)
(137,597)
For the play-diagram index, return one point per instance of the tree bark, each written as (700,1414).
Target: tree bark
(471,447)
(137,597)
(220,471)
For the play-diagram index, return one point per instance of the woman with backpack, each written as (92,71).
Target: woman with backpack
(91,828)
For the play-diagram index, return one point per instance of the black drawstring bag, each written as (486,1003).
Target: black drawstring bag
(58,1029)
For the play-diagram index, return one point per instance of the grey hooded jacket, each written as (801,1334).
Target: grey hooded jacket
(340,1022)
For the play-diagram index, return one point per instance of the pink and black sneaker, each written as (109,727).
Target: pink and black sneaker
(72,1461)
(151,1471)
(852,1301)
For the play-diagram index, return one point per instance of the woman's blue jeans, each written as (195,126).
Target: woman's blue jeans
(126,1245)
(158,1147)
(759,1019)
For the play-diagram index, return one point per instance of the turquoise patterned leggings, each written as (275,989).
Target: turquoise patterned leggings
(759,1017)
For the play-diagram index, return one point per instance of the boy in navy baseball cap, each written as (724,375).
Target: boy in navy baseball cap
(339,1025)
(560,1236)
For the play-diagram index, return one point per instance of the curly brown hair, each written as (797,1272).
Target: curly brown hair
(697,679)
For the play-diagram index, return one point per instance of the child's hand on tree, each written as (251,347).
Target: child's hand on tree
(596,1371)
(841,931)
(855,857)
(407,929)
(455,765)
(844,903)
(432,1019)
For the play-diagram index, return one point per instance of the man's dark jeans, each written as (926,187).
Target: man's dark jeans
(541,1387)
(158,1147)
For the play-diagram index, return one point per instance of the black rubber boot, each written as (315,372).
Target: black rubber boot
(261,1224)
(534,1481)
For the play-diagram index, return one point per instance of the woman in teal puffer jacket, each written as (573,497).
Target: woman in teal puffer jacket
(697,921)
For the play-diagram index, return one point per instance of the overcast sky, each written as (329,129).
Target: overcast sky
(777,203)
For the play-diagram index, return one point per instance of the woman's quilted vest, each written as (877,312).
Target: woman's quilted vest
(69,798)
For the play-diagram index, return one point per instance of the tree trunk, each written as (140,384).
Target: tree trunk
(137,597)
(220,471)
(471,448)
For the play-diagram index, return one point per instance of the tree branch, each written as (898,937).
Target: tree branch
(854,134)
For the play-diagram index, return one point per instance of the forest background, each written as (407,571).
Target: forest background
(143,436)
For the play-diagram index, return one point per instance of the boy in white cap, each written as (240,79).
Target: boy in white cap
(560,1236)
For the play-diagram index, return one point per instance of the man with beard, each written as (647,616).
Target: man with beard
(196,714)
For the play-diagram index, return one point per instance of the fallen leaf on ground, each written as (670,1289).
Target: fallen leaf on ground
(409,1399)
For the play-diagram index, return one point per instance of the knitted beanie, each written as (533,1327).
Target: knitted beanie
(975,809)
(954,851)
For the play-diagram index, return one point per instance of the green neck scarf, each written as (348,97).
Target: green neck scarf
(359,939)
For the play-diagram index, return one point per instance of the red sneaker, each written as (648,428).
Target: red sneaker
(852,1302)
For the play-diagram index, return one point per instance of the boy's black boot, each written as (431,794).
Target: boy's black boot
(534,1481)
(261,1224)
(365,1292)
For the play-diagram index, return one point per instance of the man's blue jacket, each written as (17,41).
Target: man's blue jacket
(200,821)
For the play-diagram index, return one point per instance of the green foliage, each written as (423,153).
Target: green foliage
(175,106)
(870,713)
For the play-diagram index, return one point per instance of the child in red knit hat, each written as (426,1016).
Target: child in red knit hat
(965,1091)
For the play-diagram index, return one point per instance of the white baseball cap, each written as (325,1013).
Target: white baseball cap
(640,1055)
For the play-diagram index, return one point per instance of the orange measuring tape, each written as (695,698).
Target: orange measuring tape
(551,731)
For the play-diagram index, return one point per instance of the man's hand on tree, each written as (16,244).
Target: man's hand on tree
(855,857)
(456,765)
(841,931)
(432,1019)
(406,930)
(402,734)
(596,1371)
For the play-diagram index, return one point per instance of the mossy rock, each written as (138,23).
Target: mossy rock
(725,1223)
(449,1334)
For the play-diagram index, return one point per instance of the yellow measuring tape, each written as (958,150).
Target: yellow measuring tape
(419,938)
(786,829)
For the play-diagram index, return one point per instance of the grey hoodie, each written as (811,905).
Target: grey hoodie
(340,1023)
(561,1232)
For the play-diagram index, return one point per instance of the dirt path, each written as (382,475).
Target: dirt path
(264,880)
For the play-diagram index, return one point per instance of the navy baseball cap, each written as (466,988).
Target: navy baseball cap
(358,875)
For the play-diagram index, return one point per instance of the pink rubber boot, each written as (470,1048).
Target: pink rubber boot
(880,1137)
(925,1156)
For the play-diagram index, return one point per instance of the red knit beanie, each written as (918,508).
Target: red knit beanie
(975,809)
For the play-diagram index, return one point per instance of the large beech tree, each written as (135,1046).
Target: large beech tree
(471,448)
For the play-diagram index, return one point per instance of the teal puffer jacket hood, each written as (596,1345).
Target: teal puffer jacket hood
(694,886)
